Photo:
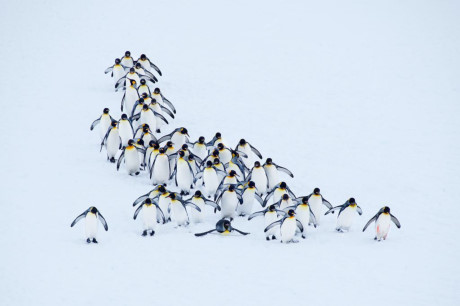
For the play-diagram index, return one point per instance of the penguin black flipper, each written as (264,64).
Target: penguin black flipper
(155,67)
(95,122)
(108,69)
(83,215)
(104,223)
(192,205)
(273,225)
(268,197)
(211,203)
(161,212)
(282,212)
(258,198)
(282,169)
(164,138)
(333,209)
(160,116)
(312,217)
(299,225)
(326,202)
(123,100)
(198,176)
(359,210)
(204,233)
(167,111)
(374,218)
(395,221)
(119,82)
(153,165)
(120,159)
(256,214)
(291,194)
(255,151)
(105,137)
(238,231)
(137,211)
(140,199)
(167,102)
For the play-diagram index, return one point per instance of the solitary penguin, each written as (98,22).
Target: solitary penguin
(382,223)
(150,210)
(346,214)
(104,121)
(91,216)
(270,215)
(223,227)
(288,226)
(272,172)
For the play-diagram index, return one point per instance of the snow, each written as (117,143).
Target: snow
(358,98)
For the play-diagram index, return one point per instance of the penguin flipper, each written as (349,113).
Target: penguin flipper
(204,233)
(140,199)
(105,137)
(273,225)
(198,176)
(167,102)
(108,70)
(95,122)
(395,221)
(359,210)
(123,100)
(256,151)
(104,223)
(161,213)
(326,202)
(268,197)
(160,116)
(312,217)
(83,215)
(211,203)
(167,111)
(299,225)
(282,169)
(192,205)
(238,231)
(164,138)
(119,82)
(256,214)
(155,67)
(371,220)
(120,159)
(258,198)
(137,211)
(333,209)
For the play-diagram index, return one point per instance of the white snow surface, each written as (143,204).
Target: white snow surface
(359,98)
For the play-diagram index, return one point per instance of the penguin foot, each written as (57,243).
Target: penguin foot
(112,160)
(144,233)
(182,193)
(191,186)
(303,236)
(158,131)
(273,237)
(137,173)
(88,240)
(268,238)
(152,233)
(375,238)
(94,240)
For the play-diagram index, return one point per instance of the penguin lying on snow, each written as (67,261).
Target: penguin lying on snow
(224,227)
(91,216)
(382,223)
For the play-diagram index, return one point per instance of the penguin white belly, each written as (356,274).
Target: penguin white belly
(113,143)
(229,203)
(158,98)
(288,229)
(316,203)
(346,218)
(273,177)
(118,73)
(127,62)
(197,216)
(225,156)
(163,203)
(132,161)
(302,213)
(178,139)
(158,122)
(160,173)
(125,131)
(143,89)
(230,180)
(104,125)
(147,138)
(248,201)
(147,117)
(382,226)
(211,181)
(278,194)
(149,217)
(285,204)
(130,99)
(193,166)
(91,225)
(184,176)
(248,161)
(145,64)
(200,151)
(178,213)
(260,179)
(271,217)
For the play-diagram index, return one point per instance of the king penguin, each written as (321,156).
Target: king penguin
(91,216)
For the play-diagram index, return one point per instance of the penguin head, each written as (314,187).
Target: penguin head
(145,129)
(138,65)
(156,91)
(272,207)
(145,107)
(184,131)
(172,195)
(127,54)
(232,173)
(144,94)
(161,151)
(218,135)
(117,61)
(251,184)
(154,144)
(161,189)
(143,57)
(130,142)
(142,81)
(201,140)
(209,164)
(185,147)
(215,153)
(106,110)
(220,146)
(269,161)
(386,210)
(198,194)
(148,201)
(242,142)
(131,70)
(283,185)
(226,225)
(154,101)
(124,117)
(181,153)
(305,200)
(285,197)
(145,125)
(257,164)
(291,213)
(140,142)
(93,210)
(216,161)
(141,101)
(316,191)
(352,201)
(169,144)
(191,158)
(231,188)
(114,124)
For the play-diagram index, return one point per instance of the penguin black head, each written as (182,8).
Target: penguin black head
(117,61)
(216,161)
(305,200)
(352,201)
(141,101)
(152,143)
(145,107)
(138,65)
(185,147)
(252,184)
(215,153)
(148,201)
(291,213)
(218,135)
(145,129)
(144,94)
(124,117)
(161,151)
(114,123)
(161,189)
(145,125)
(209,164)
(143,57)
(232,173)
(155,145)
(140,142)
(93,210)
(169,144)
(154,101)
(242,142)
(283,185)
(184,131)
(386,209)
(257,164)
(198,194)
(142,81)
(127,54)
(226,225)
(220,146)
(130,142)
(231,188)
(157,90)
(181,153)
(201,140)
(106,110)
(272,207)
(285,197)
(172,195)
(269,161)
(316,191)
(191,158)
(132,70)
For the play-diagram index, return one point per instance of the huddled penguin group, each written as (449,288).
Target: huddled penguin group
(194,178)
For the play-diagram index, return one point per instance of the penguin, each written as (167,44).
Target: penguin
(249,150)
(277,192)
(270,215)
(146,135)
(157,95)
(164,201)
(316,201)
(104,121)
(150,210)
(130,97)
(144,73)
(151,194)
(224,227)
(136,112)
(179,136)
(223,171)
(249,195)
(132,160)
(304,214)
(112,142)
(160,170)
(284,202)
(236,163)
(216,140)
(231,178)
(225,155)
(150,117)
(199,148)
(151,152)
(346,214)
(118,70)
(199,200)
(288,226)
(272,170)
(382,223)
(147,64)
(178,209)
(194,163)
(212,156)
(143,88)
(160,109)
(210,179)
(125,129)
(229,199)
(125,81)
(183,174)
(91,216)
(127,60)
(140,130)
(258,175)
